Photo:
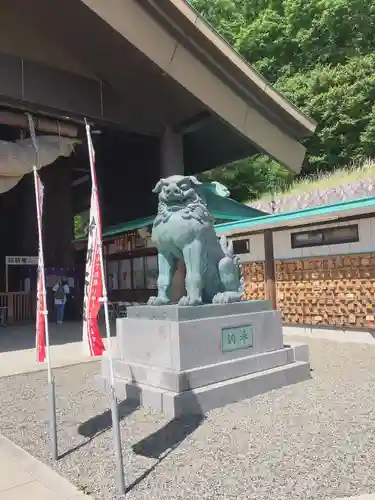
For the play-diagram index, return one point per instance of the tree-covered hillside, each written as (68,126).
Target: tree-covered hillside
(321,55)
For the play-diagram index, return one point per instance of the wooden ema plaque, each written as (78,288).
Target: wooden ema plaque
(334,291)
(254,281)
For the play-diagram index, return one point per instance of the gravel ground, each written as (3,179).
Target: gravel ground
(314,440)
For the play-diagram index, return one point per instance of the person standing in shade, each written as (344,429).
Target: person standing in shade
(61,290)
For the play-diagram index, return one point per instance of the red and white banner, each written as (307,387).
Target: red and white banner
(41,306)
(94,279)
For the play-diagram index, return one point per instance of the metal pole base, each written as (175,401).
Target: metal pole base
(117,444)
(52,419)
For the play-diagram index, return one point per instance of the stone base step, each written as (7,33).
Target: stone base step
(208,397)
(180,381)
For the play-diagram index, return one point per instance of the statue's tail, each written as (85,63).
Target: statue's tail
(227,247)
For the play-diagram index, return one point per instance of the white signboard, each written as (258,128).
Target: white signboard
(11,260)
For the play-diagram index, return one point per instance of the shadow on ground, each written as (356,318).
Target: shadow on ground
(162,442)
(168,437)
(99,424)
(157,445)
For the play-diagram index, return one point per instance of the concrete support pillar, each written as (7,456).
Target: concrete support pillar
(58,218)
(172,163)
(269,269)
(172,154)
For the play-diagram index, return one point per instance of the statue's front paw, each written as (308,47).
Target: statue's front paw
(183,301)
(219,298)
(190,301)
(158,301)
(222,298)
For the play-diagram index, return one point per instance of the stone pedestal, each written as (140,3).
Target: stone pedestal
(181,360)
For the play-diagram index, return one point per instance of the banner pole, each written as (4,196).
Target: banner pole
(50,378)
(120,478)
(6,275)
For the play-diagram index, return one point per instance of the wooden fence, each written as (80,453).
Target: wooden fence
(20,306)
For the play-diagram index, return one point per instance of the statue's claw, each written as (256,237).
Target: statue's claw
(158,301)
(190,301)
(219,298)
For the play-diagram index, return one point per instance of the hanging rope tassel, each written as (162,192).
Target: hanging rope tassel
(33,138)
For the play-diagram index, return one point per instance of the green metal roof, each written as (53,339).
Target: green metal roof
(286,217)
(237,213)
(239,223)
(225,208)
(121,228)
(127,226)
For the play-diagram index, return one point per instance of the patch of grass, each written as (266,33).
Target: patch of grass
(326,180)
(83,488)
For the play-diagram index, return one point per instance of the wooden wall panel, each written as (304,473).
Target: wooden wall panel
(334,291)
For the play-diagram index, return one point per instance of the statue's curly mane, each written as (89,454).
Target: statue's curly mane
(193,207)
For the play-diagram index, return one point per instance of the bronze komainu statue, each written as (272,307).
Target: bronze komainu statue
(183,229)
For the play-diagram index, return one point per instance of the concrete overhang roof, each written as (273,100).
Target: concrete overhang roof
(164,66)
(188,50)
(207,44)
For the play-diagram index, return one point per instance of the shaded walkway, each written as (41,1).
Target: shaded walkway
(17,347)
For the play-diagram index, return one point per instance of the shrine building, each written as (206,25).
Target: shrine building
(163,93)
(320,270)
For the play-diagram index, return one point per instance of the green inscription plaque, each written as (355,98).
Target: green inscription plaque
(236,337)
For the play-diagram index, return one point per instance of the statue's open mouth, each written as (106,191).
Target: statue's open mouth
(174,206)
(174,199)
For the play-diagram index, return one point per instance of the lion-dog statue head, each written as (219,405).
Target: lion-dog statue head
(179,193)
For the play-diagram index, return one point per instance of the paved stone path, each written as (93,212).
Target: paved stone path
(23,477)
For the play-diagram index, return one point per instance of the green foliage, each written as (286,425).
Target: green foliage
(250,178)
(285,36)
(340,98)
(80,223)
(319,53)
